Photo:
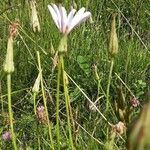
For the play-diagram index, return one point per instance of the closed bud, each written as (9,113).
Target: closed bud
(113,44)
(34,17)
(9,63)
(36,86)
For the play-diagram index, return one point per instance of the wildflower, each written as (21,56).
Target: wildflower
(119,127)
(65,23)
(34,17)
(135,102)
(41,115)
(7,136)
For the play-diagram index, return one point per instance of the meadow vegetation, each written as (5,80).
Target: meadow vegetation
(95,98)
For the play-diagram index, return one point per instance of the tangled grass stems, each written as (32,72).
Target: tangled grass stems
(67,103)
(57,103)
(45,103)
(108,85)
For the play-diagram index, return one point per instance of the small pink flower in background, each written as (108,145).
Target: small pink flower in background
(41,115)
(135,102)
(7,136)
(65,23)
(40,109)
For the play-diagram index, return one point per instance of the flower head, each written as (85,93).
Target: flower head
(65,23)
(41,114)
(7,136)
(135,102)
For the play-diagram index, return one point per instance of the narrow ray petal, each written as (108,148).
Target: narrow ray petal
(54,15)
(77,16)
(79,20)
(70,17)
(63,14)
(58,15)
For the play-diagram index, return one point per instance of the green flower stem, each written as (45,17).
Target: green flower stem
(66,102)
(45,103)
(98,87)
(57,103)
(10,110)
(108,85)
(34,100)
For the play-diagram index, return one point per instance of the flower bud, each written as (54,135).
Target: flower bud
(36,86)
(9,63)
(34,17)
(113,44)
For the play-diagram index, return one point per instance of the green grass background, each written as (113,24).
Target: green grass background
(87,45)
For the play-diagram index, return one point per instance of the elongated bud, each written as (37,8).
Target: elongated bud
(34,17)
(36,86)
(9,63)
(113,45)
(63,44)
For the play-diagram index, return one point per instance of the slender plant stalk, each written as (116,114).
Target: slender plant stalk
(38,138)
(34,100)
(45,103)
(67,102)
(10,111)
(108,85)
(57,104)
(98,87)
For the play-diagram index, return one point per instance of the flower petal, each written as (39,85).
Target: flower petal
(79,20)
(63,14)
(54,15)
(70,17)
(75,19)
(58,14)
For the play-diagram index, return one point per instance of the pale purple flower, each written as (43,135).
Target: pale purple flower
(40,108)
(41,114)
(135,102)
(65,23)
(7,136)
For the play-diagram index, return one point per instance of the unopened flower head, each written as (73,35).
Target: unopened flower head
(34,17)
(65,23)
(9,63)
